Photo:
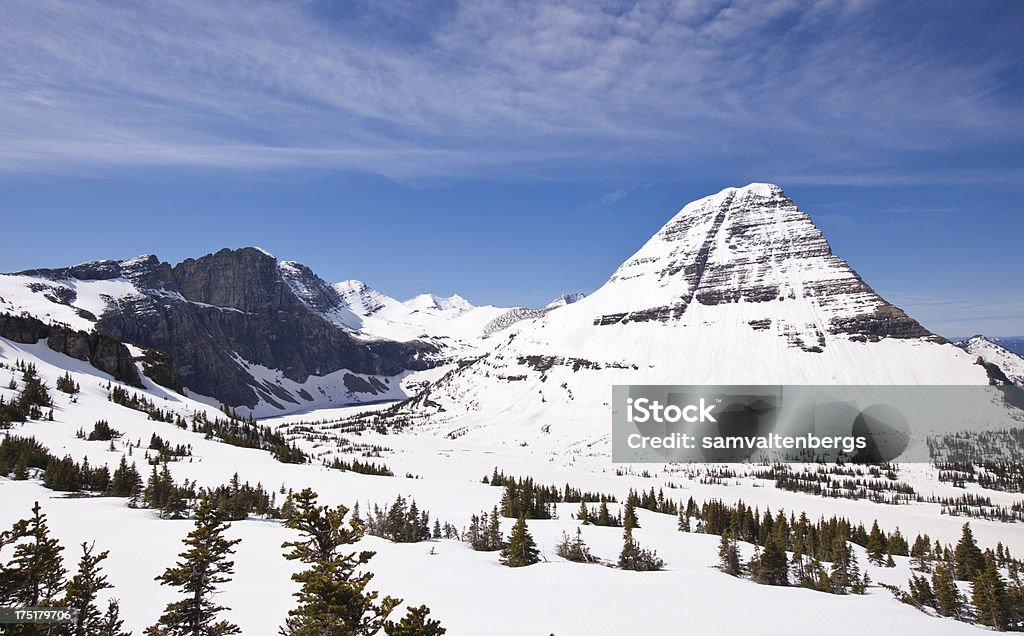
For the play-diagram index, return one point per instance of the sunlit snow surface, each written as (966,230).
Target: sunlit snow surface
(464,589)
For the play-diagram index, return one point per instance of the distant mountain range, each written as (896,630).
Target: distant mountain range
(738,287)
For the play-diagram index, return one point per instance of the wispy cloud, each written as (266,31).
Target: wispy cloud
(481,88)
(613,197)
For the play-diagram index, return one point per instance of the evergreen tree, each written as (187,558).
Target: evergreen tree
(968,557)
(110,624)
(728,554)
(583,515)
(203,566)
(876,546)
(35,574)
(521,549)
(333,600)
(921,591)
(126,481)
(948,600)
(991,602)
(633,557)
(845,575)
(772,566)
(82,590)
(684,522)
(629,520)
(492,536)
(416,622)
(574,550)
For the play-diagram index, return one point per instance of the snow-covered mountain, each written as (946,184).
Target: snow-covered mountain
(737,288)
(566,299)
(238,327)
(1008,362)
(245,329)
(452,325)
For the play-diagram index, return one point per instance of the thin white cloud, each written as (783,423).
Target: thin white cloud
(482,88)
(613,197)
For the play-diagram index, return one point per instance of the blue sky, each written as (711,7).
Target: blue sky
(509,152)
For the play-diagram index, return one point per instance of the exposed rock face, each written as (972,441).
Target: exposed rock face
(101,351)
(214,314)
(753,245)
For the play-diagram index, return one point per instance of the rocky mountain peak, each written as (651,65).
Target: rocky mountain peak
(753,245)
(455,304)
(312,290)
(246,279)
(567,298)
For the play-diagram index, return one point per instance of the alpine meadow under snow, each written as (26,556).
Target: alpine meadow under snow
(240,371)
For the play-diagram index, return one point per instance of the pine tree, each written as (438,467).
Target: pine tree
(111,624)
(203,566)
(629,520)
(82,590)
(728,554)
(876,545)
(521,549)
(772,568)
(574,550)
(583,515)
(921,591)
(492,536)
(633,557)
(948,600)
(991,602)
(684,522)
(333,600)
(845,574)
(35,574)
(416,622)
(968,557)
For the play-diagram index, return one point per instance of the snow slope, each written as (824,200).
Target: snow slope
(1008,362)
(737,288)
(466,590)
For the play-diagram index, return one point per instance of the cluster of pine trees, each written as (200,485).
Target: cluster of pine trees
(233,501)
(994,475)
(995,601)
(35,576)
(102,432)
(715,516)
(333,599)
(840,481)
(523,497)
(32,398)
(574,548)
(67,384)
(356,466)
(484,532)
(979,507)
(598,516)
(165,452)
(812,545)
(401,522)
(129,399)
(248,434)
(19,455)
(979,448)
